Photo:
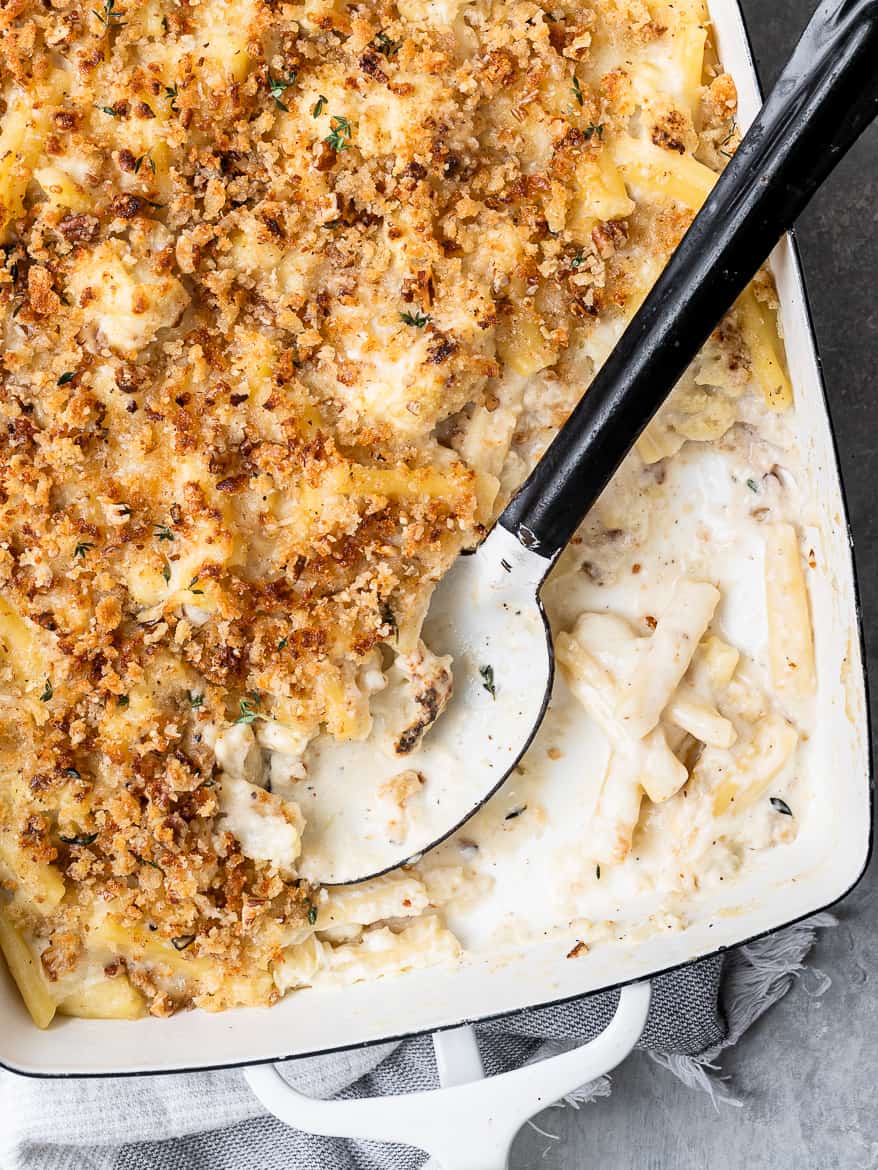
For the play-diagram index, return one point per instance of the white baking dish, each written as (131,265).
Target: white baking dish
(779,887)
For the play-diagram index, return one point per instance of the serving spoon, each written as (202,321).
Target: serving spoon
(486,612)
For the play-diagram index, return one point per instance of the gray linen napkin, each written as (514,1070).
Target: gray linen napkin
(210,1121)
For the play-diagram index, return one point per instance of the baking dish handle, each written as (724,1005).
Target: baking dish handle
(470,1122)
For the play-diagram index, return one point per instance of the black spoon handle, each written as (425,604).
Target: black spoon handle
(825,97)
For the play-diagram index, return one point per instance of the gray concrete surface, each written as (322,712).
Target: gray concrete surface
(808,1071)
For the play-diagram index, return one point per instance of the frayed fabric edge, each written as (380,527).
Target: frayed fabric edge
(755,978)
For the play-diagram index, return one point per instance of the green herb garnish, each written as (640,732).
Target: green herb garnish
(122,700)
(388,618)
(182,941)
(318,107)
(110,17)
(144,158)
(780,806)
(733,126)
(752,485)
(82,548)
(577,89)
(195,700)
(66,377)
(340,135)
(282,643)
(277,87)
(578,260)
(79,839)
(48,691)
(593,128)
(487,673)
(72,772)
(418,319)
(166,573)
(154,864)
(516,812)
(163,532)
(110,111)
(312,914)
(191,586)
(249,709)
(387,47)
(172,93)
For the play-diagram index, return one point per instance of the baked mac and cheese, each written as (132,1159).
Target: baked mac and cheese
(293,295)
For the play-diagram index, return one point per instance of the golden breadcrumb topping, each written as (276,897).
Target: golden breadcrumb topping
(292,294)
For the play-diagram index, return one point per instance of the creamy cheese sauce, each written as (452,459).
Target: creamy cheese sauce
(705,517)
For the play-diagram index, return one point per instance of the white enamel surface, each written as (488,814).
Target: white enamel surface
(485,615)
(468,1124)
(780,885)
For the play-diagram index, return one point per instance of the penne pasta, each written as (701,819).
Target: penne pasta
(24,966)
(790,642)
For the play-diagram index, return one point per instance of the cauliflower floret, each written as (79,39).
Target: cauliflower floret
(125,293)
(267,827)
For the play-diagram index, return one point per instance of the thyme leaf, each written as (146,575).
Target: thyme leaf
(249,709)
(318,107)
(66,377)
(79,839)
(577,89)
(82,548)
(780,806)
(48,691)
(418,319)
(733,126)
(277,87)
(110,17)
(340,135)
(312,914)
(387,47)
(487,673)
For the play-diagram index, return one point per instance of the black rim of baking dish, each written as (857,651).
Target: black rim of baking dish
(647,976)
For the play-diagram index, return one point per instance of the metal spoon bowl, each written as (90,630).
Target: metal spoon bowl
(485,613)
